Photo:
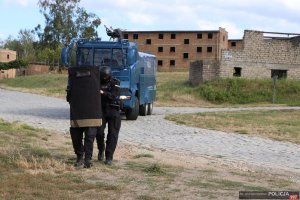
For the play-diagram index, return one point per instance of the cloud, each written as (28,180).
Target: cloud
(234,16)
(291,5)
(140,18)
(21,2)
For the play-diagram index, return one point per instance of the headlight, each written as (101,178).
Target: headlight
(123,97)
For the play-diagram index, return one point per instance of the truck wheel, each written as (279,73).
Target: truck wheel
(132,114)
(150,109)
(143,109)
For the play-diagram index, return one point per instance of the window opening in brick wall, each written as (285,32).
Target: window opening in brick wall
(199,36)
(279,73)
(173,36)
(161,36)
(186,41)
(126,36)
(185,55)
(209,35)
(7,56)
(172,49)
(223,38)
(160,63)
(237,72)
(209,49)
(172,62)
(233,44)
(148,41)
(160,49)
(135,36)
(199,49)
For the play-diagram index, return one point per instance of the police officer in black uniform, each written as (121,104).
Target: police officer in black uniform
(110,93)
(85,111)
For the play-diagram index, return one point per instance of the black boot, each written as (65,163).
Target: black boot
(79,161)
(88,163)
(108,161)
(100,156)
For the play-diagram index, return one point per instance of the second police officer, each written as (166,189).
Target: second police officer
(110,93)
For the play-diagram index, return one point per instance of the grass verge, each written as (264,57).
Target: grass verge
(281,125)
(46,84)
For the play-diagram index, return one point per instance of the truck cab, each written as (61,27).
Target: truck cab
(135,70)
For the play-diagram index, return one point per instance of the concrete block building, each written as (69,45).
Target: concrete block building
(263,55)
(7,55)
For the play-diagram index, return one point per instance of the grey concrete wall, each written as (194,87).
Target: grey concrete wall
(260,55)
(203,70)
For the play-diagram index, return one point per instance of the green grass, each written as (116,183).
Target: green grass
(245,91)
(224,184)
(276,124)
(50,81)
(143,155)
(39,152)
(174,89)
(155,169)
(47,84)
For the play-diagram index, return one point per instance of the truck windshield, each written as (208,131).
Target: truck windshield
(109,57)
(102,57)
(85,57)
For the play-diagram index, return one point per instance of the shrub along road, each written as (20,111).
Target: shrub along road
(156,132)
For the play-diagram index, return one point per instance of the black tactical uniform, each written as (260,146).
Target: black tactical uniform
(85,110)
(110,93)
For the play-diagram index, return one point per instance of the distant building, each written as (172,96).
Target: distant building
(262,55)
(235,44)
(210,54)
(176,49)
(259,55)
(7,55)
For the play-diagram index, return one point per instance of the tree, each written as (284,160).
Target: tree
(13,44)
(65,20)
(1,43)
(26,38)
(23,45)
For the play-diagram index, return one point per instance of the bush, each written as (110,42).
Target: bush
(13,65)
(243,91)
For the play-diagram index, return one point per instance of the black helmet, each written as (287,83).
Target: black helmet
(105,74)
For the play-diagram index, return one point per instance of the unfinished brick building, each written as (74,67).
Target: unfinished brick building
(176,49)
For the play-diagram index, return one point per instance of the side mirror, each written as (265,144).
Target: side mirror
(64,57)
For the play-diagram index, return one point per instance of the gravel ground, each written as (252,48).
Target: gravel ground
(155,132)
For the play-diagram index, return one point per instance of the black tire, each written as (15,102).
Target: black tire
(132,114)
(150,109)
(143,109)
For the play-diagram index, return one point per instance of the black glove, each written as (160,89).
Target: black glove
(68,97)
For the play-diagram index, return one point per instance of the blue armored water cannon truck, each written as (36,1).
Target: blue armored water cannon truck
(135,70)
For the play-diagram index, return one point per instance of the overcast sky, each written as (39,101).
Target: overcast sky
(233,15)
